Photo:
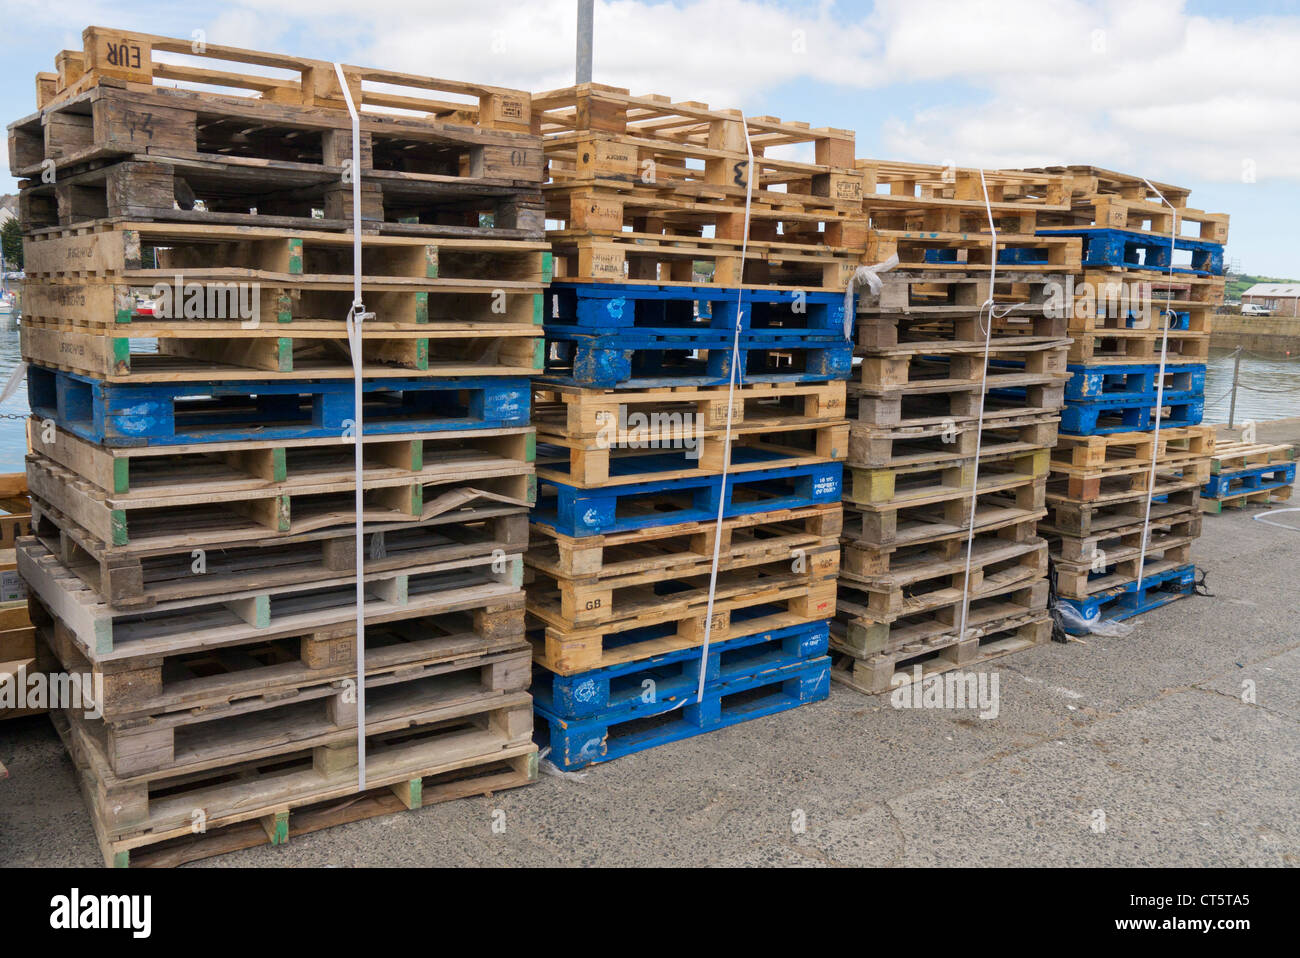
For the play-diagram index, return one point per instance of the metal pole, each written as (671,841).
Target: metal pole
(586,19)
(1236,371)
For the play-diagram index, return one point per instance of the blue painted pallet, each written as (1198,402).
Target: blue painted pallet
(1124,602)
(159,414)
(606,307)
(638,359)
(1134,249)
(1101,418)
(1133,383)
(646,686)
(1256,479)
(763,687)
(589,512)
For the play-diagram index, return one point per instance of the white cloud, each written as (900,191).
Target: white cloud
(1128,85)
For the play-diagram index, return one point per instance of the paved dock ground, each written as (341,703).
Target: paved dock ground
(1131,751)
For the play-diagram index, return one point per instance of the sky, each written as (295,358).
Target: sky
(1197,93)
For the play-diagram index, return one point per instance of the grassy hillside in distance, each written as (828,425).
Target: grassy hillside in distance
(1238,283)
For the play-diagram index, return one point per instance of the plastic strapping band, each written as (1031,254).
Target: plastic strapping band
(356,316)
(1160,393)
(979,433)
(731,393)
(864,275)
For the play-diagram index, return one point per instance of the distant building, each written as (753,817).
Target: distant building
(8,208)
(1282,298)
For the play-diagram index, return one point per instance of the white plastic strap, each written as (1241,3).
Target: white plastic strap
(356,316)
(1160,395)
(726,440)
(979,434)
(11,384)
(868,275)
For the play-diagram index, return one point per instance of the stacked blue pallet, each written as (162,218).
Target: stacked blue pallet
(627,516)
(1124,566)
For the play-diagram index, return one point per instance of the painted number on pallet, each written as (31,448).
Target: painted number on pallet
(139,122)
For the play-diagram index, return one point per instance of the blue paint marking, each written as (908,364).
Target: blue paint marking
(1255,479)
(639,358)
(762,688)
(1102,418)
(1137,250)
(1133,383)
(162,414)
(588,512)
(606,307)
(622,691)
(1123,602)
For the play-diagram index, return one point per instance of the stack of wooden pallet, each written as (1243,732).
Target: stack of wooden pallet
(194,429)
(1127,305)
(1248,473)
(643,444)
(923,475)
(21,654)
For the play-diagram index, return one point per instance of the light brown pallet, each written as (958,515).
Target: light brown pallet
(893,447)
(222,678)
(1113,510)
(267,804)
(1009,495)
(105,634)
(888,489)
(941,652)
(1083,551)
(1119,566)
(683,545)
(794,599)
(128,56)
(317,715)
(1240,500)
(197,519)
(602,462)
(657,595)
(141,580)
(1230,456)
(926,583)
(652,257)
(973,250)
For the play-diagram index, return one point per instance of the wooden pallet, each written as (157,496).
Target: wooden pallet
(259,671)
(902,446)
(923,196)
(1170,521)
(105,634)
(745,603)
(683,450)
(1241,500)
(943,402)
(129,56)
(948,511)
(196,473)
(1088,462)
(941,306)
(1119,565)
(317,712)
(939,251)
(1010,362)
(142,579)
(925,582)
(655,595)
(682,546)
(934,650)
(242,806)
(674,205)
(1230,456)
(1112,510)
(922,542)
(161,520)
(889,488)
(691,260)
(718,137)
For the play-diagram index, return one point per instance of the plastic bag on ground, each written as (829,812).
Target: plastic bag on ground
(1075,621)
